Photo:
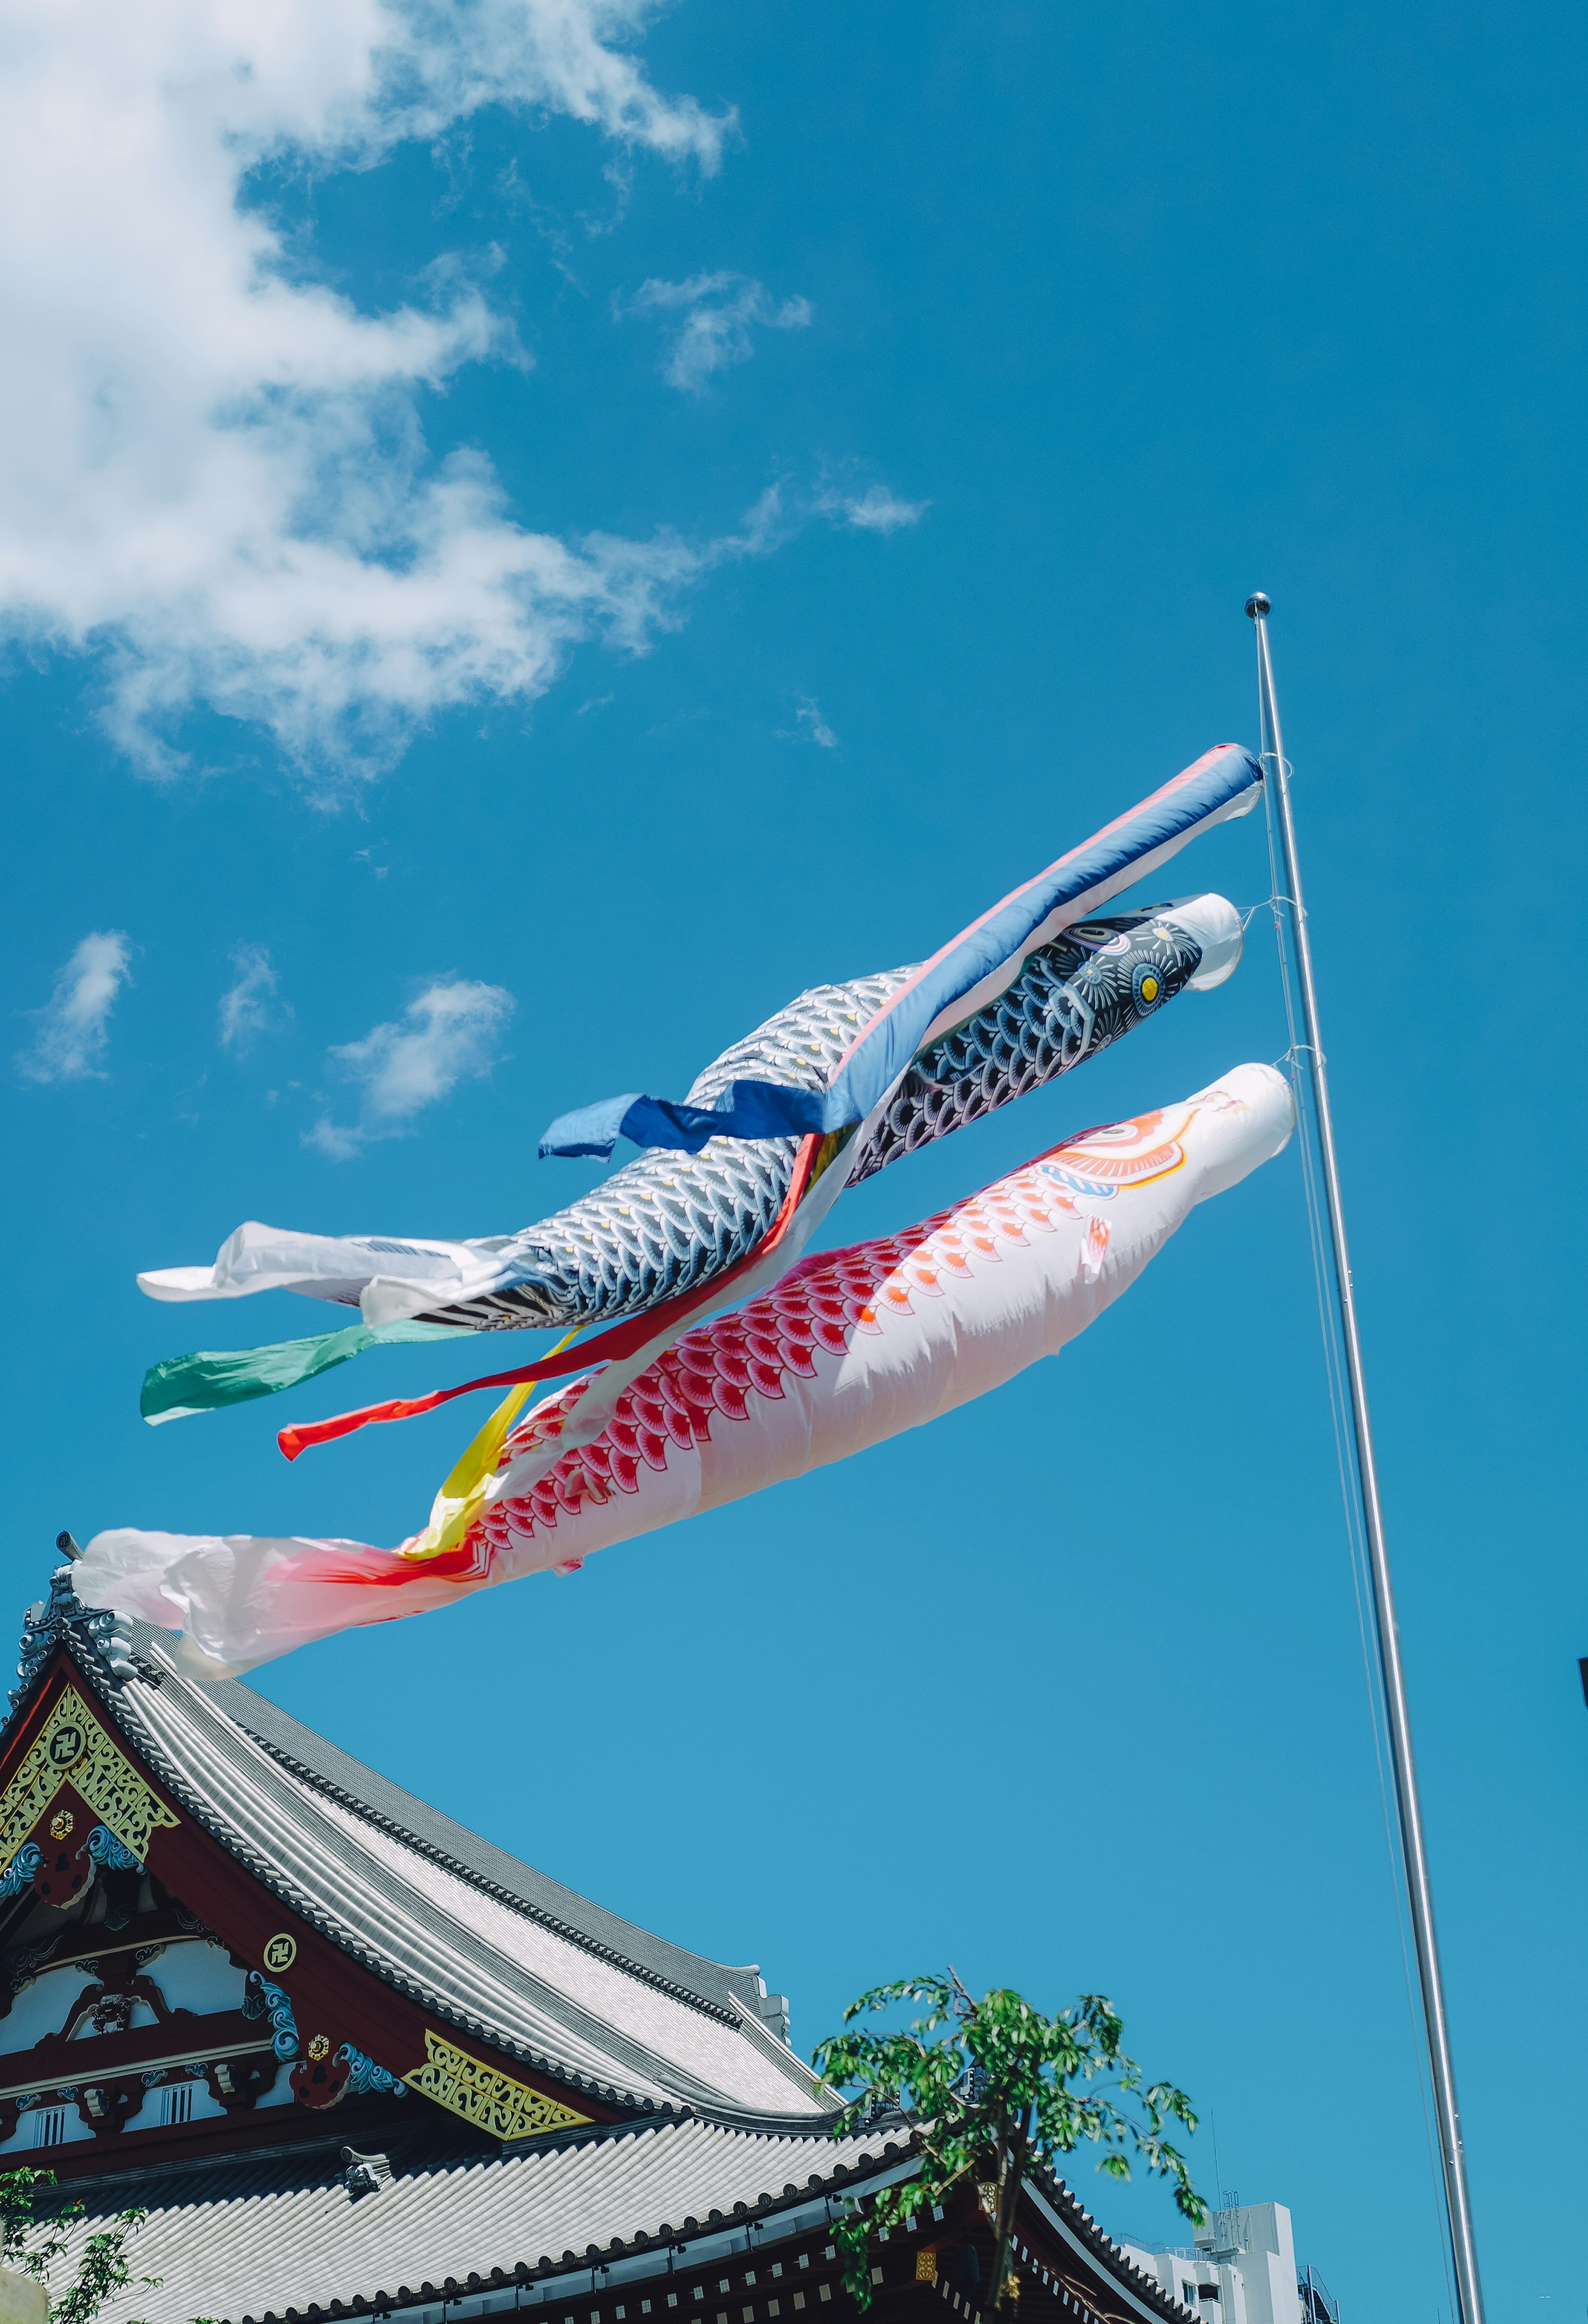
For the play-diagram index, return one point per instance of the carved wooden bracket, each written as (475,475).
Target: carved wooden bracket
(107,2107)
(235,2083)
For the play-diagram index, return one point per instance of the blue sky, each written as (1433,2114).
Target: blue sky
(518,557)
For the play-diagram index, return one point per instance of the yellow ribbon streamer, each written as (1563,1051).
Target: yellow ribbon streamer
(463,1496)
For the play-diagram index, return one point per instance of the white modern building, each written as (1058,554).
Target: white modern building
(1240,2270)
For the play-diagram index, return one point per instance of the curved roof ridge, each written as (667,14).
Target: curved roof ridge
(722,1989)
(594,2071)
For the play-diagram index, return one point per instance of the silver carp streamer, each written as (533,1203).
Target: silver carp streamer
(671,1222)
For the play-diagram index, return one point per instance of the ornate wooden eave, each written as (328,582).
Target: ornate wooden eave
(381,1972)
(75,1800)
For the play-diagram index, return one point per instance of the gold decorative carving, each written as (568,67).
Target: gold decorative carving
(492,2100)
(73,1743)
(280,1953)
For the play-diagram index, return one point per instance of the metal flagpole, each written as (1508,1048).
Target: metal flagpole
(1464,2246)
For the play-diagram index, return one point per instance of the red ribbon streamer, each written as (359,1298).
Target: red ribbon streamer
(622,1340)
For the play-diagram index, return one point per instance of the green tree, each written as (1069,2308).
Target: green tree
(992,2087)
(35,2247)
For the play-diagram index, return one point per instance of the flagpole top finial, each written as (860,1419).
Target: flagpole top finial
(1257,605)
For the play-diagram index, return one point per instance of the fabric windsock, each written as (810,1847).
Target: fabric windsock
(671,1224)
(850,1348)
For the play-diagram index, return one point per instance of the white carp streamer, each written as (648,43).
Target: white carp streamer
(850,1348)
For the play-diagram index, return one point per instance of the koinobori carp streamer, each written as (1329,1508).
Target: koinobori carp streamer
(962,976)
(670,1223)
(848,1349)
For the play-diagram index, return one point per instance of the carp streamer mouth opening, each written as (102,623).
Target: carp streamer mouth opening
(1214,926)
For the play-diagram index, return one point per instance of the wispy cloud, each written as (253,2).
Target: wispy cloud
(448,1033)
(250,1006)
(720,312)
(72,1025)
(876,510)
(214,476)
(812,725)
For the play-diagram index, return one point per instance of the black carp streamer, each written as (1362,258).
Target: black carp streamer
(671,1222)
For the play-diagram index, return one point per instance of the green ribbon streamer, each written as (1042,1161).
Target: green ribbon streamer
(213,1378)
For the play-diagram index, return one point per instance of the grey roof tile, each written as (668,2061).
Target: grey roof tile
(265,2237)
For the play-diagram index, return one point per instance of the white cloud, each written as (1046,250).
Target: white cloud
(212,475)
(809,716)
(720,311)
(245,1008)
(876,510)
(337,1145)
(71,1035)
(448,1034)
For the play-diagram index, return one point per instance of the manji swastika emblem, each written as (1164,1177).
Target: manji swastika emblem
(71,1744)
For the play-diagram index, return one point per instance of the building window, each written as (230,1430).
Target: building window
(176,2102)
(48,2126)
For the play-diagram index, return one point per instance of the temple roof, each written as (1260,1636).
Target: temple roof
(728,2147)
(275,2235)
(486,1942)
